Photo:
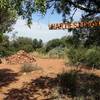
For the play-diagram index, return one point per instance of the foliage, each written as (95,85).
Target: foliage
(26,8)
(7,17)
(21,43)
(27,68)
(4,47)
(41,50)
(87,36)
(37,44)
(10,9)
(90,7)
(76,56)
(89,57)
(53,44)
(92,57)
(70,41)
(57,53)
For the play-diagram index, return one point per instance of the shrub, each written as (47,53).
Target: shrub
(57,52)
(29,67)
(89,57)
(41,50)
(53,44)
(76,56)
(92,57)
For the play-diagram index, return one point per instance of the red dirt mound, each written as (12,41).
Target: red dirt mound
(19,58)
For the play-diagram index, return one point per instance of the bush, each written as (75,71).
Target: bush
(29,68)
(57,52)
(76,56)
(53,44)
(88,57)
(41,50)
(92,57)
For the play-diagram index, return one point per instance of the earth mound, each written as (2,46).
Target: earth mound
(20,57)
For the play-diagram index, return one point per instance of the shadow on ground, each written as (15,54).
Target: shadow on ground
(7,76)
(66,86)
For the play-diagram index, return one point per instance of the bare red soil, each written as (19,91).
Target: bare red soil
(13,79)
(49,66)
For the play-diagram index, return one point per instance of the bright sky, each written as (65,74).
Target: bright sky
(39,28)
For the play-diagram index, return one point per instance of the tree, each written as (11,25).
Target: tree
(7,17)
(22,43)
(69,41)
(37,44)
(40,42)
(27,7)
(53,44)
(4,46)
(9,9)
(88,36)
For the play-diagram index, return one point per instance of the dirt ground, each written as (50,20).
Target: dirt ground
(49,67)
(13,79)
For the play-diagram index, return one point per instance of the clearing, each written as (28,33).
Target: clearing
(13,79)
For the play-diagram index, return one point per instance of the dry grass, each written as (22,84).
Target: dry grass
(27,68)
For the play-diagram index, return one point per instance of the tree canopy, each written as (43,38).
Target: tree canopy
(87,36)
(10,9)
(27,7)
(7,17)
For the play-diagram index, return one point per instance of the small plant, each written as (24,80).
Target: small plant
(29,67)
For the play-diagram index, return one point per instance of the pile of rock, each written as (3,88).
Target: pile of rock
(20,58)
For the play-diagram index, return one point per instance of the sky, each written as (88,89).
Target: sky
(39,28)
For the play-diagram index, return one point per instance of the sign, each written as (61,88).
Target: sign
(74,25)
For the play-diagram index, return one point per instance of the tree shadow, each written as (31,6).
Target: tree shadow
(30,90)
(80,85)
(73,85)
(7,76)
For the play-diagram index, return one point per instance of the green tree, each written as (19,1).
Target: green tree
(88,36)
(26,8)
(69,41)
(4,47)
(7,17)
(22,43)
(37,44)
(9,9)
(53,44)
(64,7)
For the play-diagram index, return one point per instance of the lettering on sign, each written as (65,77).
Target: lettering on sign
(74,25)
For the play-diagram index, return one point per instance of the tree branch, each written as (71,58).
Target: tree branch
(84,8)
